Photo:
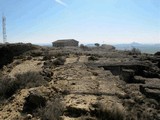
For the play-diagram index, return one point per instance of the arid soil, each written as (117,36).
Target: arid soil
(84,83)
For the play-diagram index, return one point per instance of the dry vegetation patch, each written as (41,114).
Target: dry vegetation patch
(53,110)
(8,85)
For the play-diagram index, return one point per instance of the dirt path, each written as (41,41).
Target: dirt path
(28,65)
(87,86)
(81,59)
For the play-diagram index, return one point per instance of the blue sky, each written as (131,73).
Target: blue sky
(89,21)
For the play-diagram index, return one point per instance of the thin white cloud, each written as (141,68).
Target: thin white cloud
(61,2)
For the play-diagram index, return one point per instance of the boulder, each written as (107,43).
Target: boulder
(33,101)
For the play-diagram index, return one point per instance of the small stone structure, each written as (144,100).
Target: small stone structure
(65,42)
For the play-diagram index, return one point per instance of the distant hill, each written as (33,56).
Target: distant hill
(44,44)
(90,45)
(145,48)
(130,44)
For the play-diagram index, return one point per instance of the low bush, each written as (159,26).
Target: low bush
(92,58)
(8,86)
(53,110)
(30,79)
(47,57)
(85,48)
(135,51)
(36,53)
(97,44)
(59,61)
(55,54)
(104,113)
(60,54)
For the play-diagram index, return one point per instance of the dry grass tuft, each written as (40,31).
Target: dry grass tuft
(8,86)
(59,61)
(30,79)
(92,58)
(104,113)
(53,110)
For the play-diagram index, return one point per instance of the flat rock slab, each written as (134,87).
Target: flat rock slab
(151,91)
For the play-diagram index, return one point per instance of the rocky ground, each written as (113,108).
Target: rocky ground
(84,83)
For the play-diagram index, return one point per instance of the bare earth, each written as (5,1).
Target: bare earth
(81,85)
